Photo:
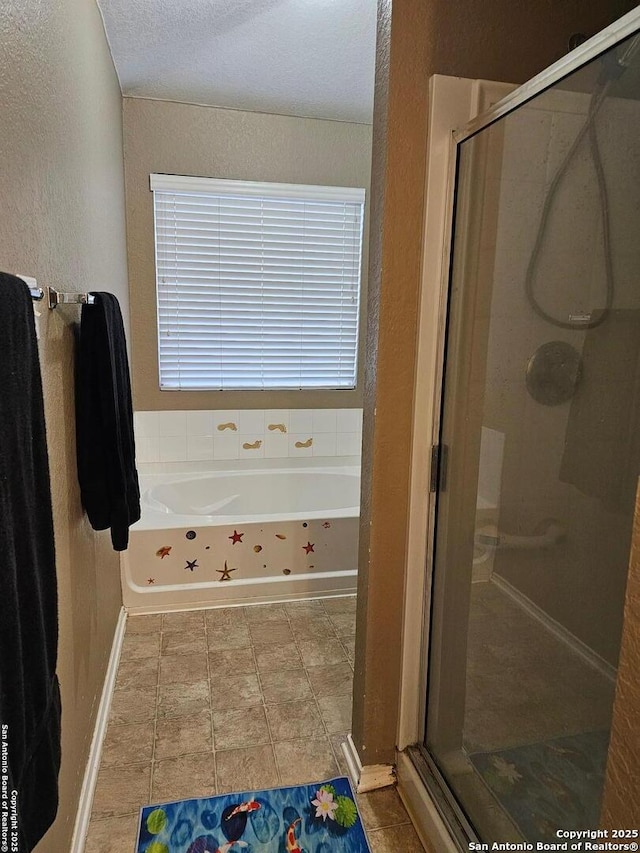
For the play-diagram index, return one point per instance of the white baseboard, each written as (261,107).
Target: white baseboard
(421,809)
(353,761)
(91,773)
(558,630)
(371,776)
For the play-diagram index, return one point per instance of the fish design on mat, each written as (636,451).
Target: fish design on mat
(292,842)
(248,806)
(224,848)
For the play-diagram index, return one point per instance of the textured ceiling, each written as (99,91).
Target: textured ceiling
(297,57)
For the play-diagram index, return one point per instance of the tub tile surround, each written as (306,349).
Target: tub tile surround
(259,728)
(208,436)
(238,562)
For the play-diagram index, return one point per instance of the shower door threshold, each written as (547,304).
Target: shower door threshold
(426,789)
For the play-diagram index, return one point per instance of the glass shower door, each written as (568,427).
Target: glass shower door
(540,429)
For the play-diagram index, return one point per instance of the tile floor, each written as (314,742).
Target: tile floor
(228,700)
(523,685)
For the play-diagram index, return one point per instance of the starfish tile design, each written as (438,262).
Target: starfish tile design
(237,537)
(192,564)
(308,548)
(163,552)
(225,574)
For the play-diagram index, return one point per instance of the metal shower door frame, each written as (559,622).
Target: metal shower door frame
(443,814)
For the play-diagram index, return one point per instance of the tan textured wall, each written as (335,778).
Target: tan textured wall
(184,139)
(61,186)
(621,800)
(489,39)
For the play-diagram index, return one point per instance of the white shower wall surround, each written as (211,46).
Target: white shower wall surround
(201,436)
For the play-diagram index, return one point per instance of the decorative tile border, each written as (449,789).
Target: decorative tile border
(210,555)
(197,436)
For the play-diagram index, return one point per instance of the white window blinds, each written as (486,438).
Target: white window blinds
(258,285)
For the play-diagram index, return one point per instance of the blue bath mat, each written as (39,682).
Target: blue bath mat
(543,787)
(319,818)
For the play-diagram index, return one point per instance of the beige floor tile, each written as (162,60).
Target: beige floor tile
(224,617)
(395,838)
(128,744)
(230,692)
(244,727)
(183,778)
(333,680)
(278,658)
(305,761)
(285,686)
(336,743)
(558,693)
(313,628)
(183,669)
(270,634)
(344,624)
(349,644)
(265,613)
(382,808)
(321,652)
(248,769)
(188,620)
(336,713)
(340,604)
(233,637)
(137,673)
(133,705)
(183,700)
(140,646)
(231,662)
(300,609)
(144,624)
(121,790)
(183,736)
(112,834)
(184,642)
(298,719)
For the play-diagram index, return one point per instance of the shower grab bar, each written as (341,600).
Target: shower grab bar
(55,297)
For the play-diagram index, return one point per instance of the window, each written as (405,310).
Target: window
(258,285)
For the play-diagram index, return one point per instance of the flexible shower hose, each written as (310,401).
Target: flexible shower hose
(589,128)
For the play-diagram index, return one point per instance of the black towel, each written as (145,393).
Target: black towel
(29,695)
(104,422)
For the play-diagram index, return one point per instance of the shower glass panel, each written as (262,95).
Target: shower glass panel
(541,423)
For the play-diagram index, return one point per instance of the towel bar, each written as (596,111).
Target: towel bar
(55,297)
(37,293)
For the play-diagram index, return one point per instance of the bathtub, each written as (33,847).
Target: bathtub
(222,538)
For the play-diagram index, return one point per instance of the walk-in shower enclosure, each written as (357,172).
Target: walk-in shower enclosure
(537,455)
